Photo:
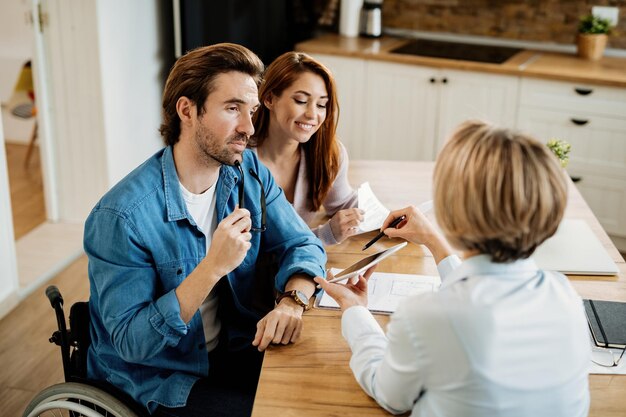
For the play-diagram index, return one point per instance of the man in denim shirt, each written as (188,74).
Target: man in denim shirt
(179,315)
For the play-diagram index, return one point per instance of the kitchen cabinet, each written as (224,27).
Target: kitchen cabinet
(406,112)
(593,120)
(401,112)
(349,79)
(473,95)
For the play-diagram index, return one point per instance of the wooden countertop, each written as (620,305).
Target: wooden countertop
(528,63)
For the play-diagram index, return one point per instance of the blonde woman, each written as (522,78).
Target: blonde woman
(500,337)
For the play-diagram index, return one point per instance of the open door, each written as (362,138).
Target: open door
(41,76)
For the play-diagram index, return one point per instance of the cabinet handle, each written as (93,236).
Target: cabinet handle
(576,178)
(432,80)
(445,81)
(579,122)
(583,91)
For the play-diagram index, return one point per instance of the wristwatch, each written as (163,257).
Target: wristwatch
(298,296)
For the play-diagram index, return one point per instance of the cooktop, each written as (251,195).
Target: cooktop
(455,50)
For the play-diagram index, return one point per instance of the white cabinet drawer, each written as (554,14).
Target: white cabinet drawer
(607,199)
(598,147)
(574,98)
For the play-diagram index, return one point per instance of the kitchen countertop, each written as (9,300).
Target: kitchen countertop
(609,71)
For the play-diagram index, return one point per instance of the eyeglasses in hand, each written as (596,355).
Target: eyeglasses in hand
(241,202)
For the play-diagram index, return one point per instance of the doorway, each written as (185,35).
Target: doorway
(42,246)
(19,118)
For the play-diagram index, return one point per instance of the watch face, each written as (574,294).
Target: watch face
(302,298)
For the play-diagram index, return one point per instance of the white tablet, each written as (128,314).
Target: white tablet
(366,263)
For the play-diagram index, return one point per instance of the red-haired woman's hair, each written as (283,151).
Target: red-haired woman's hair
(321,151)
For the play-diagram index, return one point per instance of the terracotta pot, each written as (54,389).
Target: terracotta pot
(591,47)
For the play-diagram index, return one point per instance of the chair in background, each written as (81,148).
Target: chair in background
(23,105)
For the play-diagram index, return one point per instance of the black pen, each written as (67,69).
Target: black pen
(381,234)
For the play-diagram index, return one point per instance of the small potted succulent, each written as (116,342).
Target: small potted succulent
(593,34)
(561,149)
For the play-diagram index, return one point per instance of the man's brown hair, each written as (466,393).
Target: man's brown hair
(193,74)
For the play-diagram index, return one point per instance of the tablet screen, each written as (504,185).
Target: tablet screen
(360,265)
(367,262)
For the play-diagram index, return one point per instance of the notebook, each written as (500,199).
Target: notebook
(574,249)
(607,321)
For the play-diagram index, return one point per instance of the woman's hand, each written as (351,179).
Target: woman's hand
(345,223)
(347,295)
(418,229)
(415,227)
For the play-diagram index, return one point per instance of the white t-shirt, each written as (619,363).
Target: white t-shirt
(201,207)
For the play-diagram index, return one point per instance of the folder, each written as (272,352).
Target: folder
(606,321)
(574,249)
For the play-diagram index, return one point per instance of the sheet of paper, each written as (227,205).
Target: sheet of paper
(375,212)
(386,290)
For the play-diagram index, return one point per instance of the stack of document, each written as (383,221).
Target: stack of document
(387,290)
(375,211)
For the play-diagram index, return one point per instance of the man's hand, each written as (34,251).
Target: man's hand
(230,242)
(347,295)
(281,325)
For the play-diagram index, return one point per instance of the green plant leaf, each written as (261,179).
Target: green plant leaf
(594,25)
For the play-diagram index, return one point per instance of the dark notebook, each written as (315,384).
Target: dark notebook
(607,321)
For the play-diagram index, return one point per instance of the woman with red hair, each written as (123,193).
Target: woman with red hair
(295,137)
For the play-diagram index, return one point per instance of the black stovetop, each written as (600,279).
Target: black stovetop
(455,50)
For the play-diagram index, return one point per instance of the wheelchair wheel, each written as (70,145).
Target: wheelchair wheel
(75,399)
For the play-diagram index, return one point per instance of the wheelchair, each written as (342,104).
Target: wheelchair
(78,395)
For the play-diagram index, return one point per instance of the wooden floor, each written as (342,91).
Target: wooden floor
(28,362)
(27,200)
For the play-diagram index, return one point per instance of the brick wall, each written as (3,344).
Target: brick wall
(534,20)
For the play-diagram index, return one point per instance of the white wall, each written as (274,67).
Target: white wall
(16,47)
(104,59)
(131,86)
(16,42)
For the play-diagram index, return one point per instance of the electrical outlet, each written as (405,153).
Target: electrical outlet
(610,13)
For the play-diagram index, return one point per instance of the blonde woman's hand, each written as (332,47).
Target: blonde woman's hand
(345,223)
(415,227)
(347,295)
(418,229)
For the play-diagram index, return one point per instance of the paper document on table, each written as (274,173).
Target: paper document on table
(387,290)
(375,212)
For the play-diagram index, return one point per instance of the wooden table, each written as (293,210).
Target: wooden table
(313,378)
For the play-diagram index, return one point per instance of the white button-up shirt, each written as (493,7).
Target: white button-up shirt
(497,339)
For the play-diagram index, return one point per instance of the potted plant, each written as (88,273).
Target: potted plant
(593,33)
(561,149)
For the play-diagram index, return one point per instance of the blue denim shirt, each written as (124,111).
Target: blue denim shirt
(142,243)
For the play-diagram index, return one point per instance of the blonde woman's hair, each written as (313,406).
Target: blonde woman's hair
(497,191)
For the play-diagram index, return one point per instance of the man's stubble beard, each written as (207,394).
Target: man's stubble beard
(210,152)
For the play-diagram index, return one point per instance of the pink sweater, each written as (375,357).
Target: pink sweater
(340,196)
